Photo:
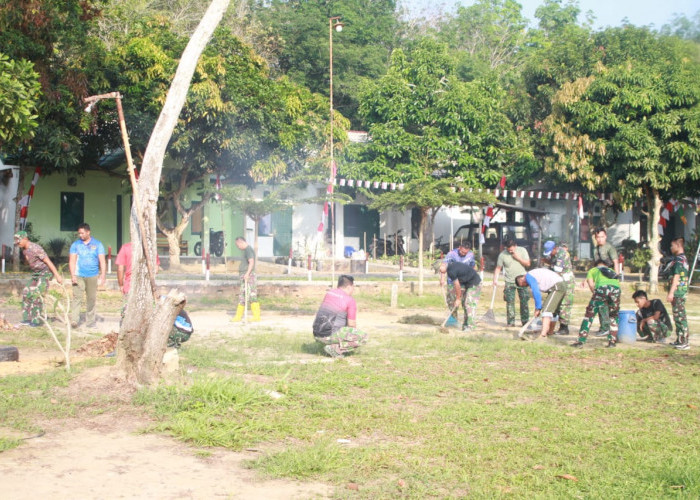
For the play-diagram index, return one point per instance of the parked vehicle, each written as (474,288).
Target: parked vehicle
(216,244)
(494,237)
(391,241)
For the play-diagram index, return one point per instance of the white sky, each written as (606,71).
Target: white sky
(607,12)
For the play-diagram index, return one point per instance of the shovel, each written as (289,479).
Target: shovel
(489,317)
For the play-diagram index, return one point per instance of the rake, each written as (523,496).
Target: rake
(489,317)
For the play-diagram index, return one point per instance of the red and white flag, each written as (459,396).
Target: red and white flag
(24,202)
(487,222)
(580,207)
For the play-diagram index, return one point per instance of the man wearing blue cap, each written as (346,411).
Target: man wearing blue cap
(560,262)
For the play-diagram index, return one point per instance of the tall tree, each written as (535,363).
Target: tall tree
(237,121)
(426,125)
(144,331)
(360,52)
(632,128)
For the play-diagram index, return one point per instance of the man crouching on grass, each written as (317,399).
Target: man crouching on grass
(335,323)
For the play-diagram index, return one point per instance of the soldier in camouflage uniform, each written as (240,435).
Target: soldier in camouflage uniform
(653,323)
(42,270)
(513,260)
(606,293)
(467,286)
(560,262)
(606,252)
(680,272)
(463,254)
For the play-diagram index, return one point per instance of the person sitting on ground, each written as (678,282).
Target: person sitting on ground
(544,280)
(335,325)
(605,286)
(653,322)
(467,288)
(463,254)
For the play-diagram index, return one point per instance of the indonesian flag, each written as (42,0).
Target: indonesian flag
(217,186)
(24,202)
(487,222)
(580,207)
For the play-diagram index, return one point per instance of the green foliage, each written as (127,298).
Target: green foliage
(640,258)
(20,92)
(634,125)
(240,199)
(54,36)
(360,51)
(425,122)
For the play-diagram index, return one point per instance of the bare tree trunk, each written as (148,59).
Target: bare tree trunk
(144,331)
(654,203)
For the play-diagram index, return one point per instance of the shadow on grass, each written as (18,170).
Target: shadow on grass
(312,348)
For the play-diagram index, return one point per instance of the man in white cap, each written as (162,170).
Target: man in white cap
(560,262)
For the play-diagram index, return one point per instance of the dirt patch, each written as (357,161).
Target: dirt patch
(106,458)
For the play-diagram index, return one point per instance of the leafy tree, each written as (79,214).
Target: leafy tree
(241,199)
(360,52)
(237,121)
(54,36)
(488,36)
(632,128)
(427,126)
(20,92)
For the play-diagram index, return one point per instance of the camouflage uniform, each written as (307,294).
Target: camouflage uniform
(33,292)
(509,296)
(252,289)
(606,294)
(470,299)
(653,330)
(454,256)
(513,269)
(561,264)
(681,268)
(345,339)
(607,254)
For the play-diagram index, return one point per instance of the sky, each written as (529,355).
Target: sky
(607,12)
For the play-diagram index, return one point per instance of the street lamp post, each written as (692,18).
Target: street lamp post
(333,23)
(92,101)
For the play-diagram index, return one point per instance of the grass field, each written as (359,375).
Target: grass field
(421,414)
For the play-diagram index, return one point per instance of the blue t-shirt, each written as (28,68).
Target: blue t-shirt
(88,264)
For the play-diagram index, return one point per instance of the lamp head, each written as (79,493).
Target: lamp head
(339,27)
(88,108)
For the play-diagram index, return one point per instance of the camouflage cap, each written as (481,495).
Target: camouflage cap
(20,235)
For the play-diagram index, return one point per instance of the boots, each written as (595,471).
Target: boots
(255,309)
(563,329)
(239,314)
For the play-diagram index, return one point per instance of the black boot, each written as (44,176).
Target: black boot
(563,329)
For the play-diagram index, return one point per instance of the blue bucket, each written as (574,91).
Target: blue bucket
(627,327)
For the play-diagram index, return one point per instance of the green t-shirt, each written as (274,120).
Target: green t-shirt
(511,267)
(248,253)
(601,280)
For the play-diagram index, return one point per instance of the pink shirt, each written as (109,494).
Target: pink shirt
(340,306)
(124,259)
